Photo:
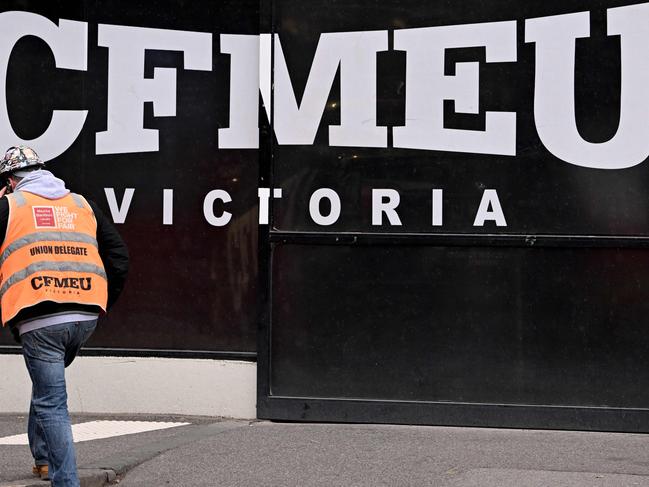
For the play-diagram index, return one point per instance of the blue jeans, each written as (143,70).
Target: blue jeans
(47,351)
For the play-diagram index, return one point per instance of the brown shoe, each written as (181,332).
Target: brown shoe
(41,471)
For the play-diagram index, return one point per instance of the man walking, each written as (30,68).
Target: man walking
(62,263)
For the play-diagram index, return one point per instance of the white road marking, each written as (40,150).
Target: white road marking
(96,430)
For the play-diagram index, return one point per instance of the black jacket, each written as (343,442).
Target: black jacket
(113,253)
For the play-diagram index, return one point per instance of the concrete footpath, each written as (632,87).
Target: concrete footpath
(213,452)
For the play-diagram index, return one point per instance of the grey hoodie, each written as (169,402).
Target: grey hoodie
(43,183)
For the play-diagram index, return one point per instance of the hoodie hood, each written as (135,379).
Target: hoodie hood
(43,183)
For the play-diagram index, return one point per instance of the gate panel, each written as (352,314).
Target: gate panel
(532,317)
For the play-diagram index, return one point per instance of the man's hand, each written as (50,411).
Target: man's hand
(3,191)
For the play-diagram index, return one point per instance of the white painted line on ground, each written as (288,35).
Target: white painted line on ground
(96,430)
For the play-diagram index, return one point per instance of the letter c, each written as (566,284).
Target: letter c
(208,208)
(69,44)
(34,280)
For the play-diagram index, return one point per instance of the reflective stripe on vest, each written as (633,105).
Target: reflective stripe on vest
(50,253)
(78,200)
(50,266)
(18,198)
(46,237)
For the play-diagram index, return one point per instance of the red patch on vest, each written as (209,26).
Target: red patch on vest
(44,217)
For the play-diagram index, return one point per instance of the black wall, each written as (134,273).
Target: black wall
(192,286)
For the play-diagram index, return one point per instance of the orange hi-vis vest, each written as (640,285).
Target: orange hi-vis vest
(50,253)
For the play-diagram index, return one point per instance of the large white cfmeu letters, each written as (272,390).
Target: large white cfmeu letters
(128,89)
(69,43)
(355,53)
(554,99)
(247,53)
(352,55)
(427,87)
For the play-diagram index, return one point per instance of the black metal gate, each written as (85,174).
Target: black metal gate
(533,317)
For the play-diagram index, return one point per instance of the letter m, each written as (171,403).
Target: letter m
(355,53)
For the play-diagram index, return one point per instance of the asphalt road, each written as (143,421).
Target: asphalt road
(274,454)
(16,460)
(237,453)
